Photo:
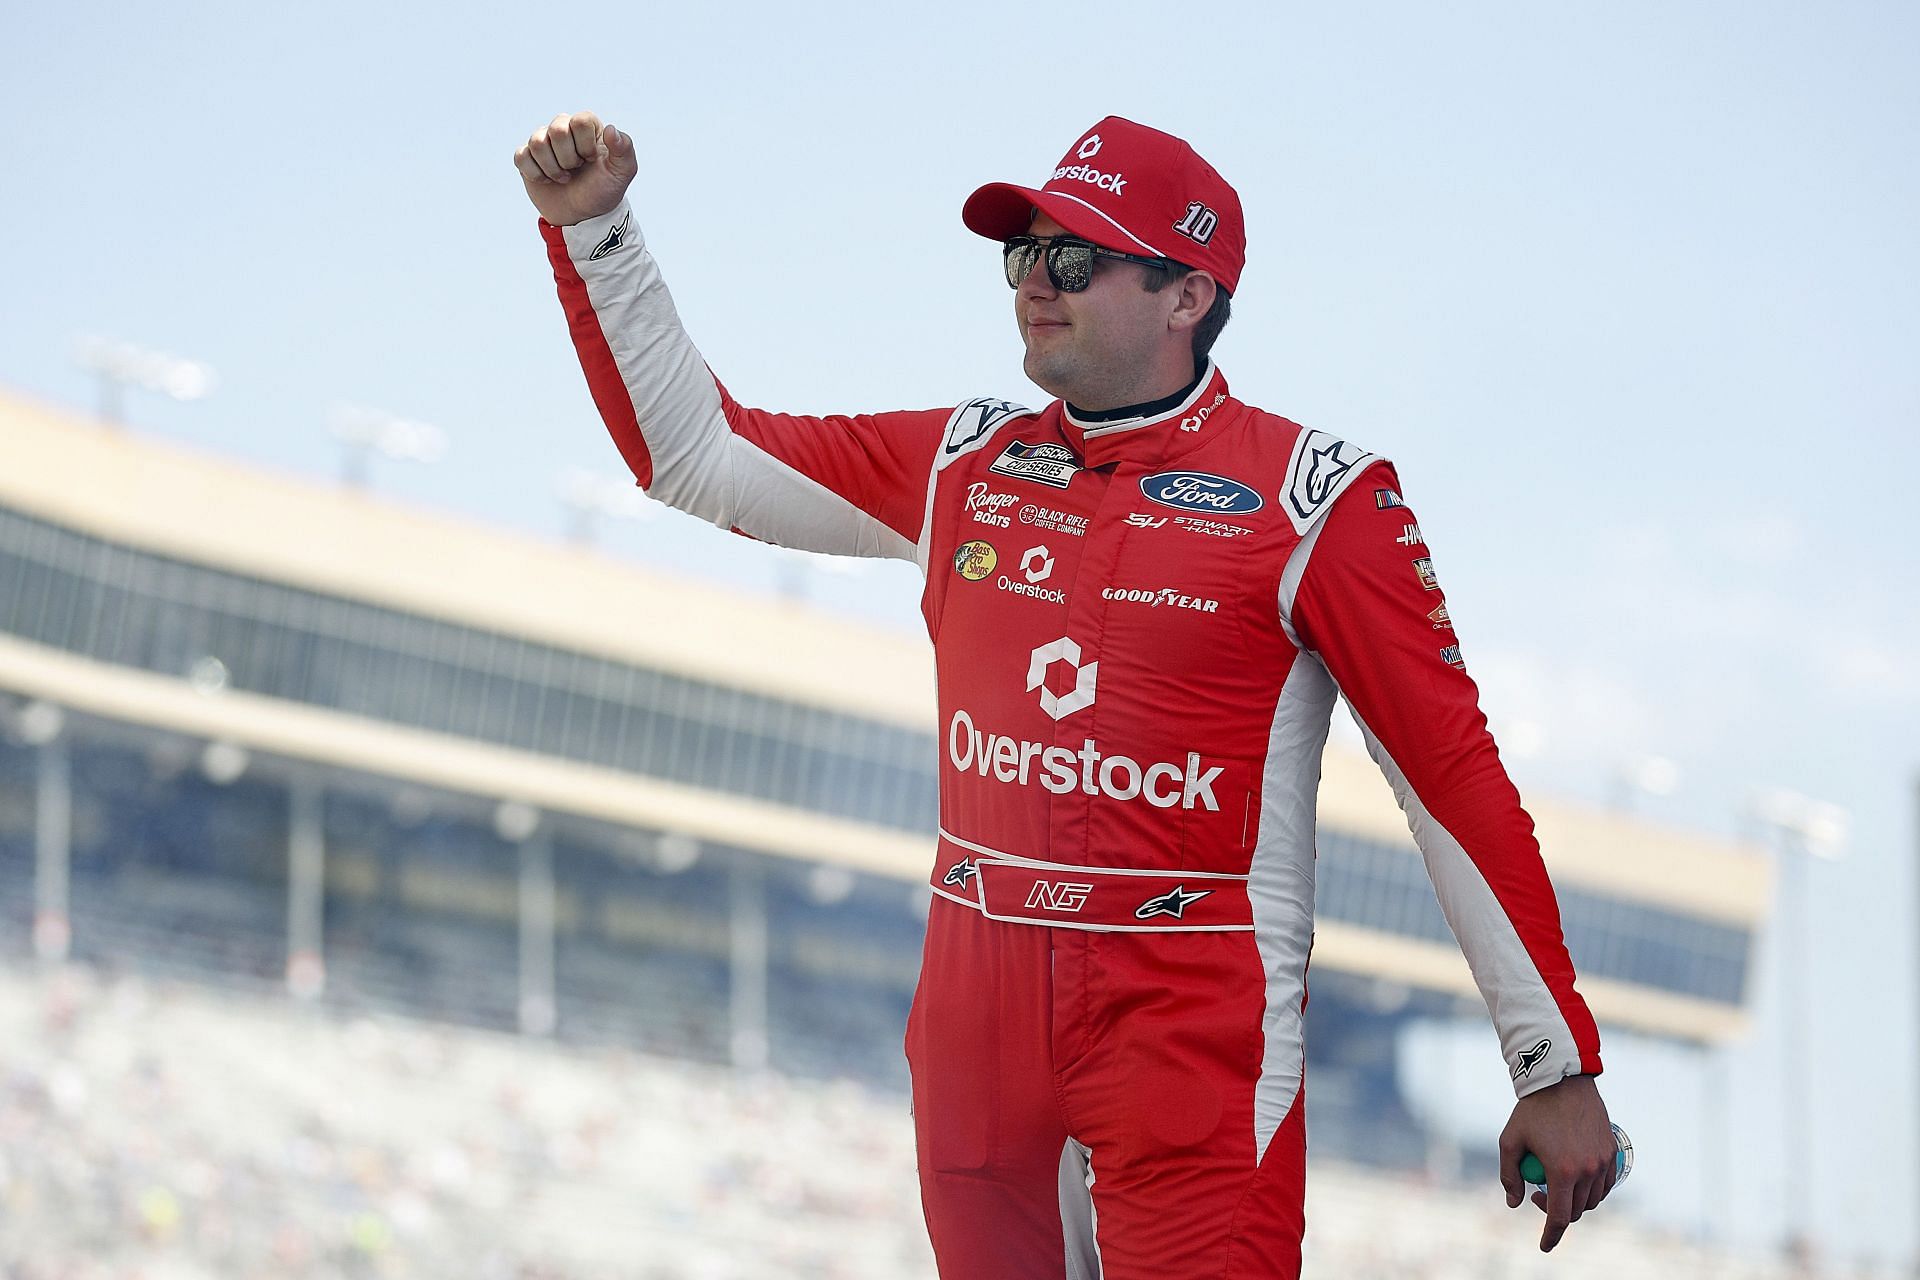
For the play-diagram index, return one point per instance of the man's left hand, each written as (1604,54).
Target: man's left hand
(1565,1125)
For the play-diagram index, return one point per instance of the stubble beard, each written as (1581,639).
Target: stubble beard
(1063,374)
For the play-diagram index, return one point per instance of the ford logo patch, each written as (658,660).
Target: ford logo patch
(1201,491)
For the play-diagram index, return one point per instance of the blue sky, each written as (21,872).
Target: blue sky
(1628,292)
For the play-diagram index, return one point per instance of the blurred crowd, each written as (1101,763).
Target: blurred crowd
(160,1131)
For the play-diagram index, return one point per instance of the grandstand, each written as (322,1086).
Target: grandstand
(153,1128)
(289,741)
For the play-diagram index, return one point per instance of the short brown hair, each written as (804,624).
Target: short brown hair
(1154,279)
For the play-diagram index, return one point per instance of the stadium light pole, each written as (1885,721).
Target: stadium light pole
(42,726)
(364,432)
(1803,829)
(306,887)
(116,366)
(747,955)
(520,824)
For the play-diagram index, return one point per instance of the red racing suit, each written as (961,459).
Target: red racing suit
(1139,628)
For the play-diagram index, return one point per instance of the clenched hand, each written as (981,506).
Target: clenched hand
(576,168)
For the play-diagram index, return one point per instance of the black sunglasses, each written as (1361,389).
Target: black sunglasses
(1069,260)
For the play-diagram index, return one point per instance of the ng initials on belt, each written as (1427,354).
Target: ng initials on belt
(1003,886)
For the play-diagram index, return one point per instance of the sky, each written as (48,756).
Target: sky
(1628,292)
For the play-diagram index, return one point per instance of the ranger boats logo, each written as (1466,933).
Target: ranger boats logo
(1200,491)
(987,507)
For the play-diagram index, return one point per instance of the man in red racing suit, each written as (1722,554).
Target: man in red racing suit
(1143,600)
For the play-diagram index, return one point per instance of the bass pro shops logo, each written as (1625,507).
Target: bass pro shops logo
(1531,1058)
(974,560)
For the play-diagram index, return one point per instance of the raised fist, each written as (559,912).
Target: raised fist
(576,168)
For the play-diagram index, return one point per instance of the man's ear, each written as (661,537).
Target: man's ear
(1197,293)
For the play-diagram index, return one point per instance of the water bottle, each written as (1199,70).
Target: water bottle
(1533,1171)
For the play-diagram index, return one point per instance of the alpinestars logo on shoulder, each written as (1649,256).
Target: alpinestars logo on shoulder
(972,421)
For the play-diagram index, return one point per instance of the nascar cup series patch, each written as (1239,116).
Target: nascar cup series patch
(1051,464)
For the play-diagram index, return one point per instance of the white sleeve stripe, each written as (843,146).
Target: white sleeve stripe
(700,465)
(783,505)
(1522,1006)
(1280,888)
(1291,577)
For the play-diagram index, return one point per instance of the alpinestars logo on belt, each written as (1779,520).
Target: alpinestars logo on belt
(960,872)
(1171,903)
(1531,1058)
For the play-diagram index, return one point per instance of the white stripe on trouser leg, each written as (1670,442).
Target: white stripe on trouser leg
(1077,1221)
(1280,886)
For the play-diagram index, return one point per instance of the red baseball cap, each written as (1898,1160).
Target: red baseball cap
(1127,187)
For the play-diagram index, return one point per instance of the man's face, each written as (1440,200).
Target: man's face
(1095,348)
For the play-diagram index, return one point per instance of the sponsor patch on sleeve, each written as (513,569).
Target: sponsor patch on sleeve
(1321,468)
